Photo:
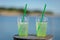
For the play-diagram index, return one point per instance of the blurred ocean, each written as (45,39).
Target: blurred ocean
(8,27)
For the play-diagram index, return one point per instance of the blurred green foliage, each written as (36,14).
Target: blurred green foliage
(22,10)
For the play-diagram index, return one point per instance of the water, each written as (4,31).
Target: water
(8,27)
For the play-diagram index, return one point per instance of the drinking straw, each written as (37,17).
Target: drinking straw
(23,17)
(24,13)
(42,15)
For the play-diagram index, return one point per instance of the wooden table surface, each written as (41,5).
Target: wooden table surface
(33,37)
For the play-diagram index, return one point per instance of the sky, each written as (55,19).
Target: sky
(52,5)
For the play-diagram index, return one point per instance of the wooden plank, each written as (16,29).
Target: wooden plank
(34,37)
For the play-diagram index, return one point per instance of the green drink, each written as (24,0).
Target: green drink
(41,28)
(23,29)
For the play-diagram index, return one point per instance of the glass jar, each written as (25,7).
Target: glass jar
(41,27)
(22,26)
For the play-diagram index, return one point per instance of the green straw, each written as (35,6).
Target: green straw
(42,16)
(23,17)
(24,13)
(43,13)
